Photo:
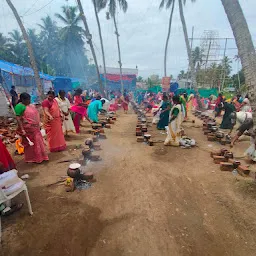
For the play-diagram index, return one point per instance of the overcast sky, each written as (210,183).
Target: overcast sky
(143,30)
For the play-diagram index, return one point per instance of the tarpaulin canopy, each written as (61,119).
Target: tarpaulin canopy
(14,74)
(204,93)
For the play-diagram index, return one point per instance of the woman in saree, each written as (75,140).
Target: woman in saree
(79,108)
(174,128)
(164,115)
(94,108)
(190,103)
(218,105)
(53,123)
(125,101)
(29,126)
(230,112)
(64,105)
(5,159)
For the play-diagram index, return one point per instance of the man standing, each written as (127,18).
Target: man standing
(14,96)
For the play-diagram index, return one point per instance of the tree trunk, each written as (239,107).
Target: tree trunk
(30,49)
(89,41)
(119,55)
(189,52)
(101,44)
(168,38)
(246,51)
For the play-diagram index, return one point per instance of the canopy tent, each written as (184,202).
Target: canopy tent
(14,74)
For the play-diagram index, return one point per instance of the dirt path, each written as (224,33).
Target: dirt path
(146,201)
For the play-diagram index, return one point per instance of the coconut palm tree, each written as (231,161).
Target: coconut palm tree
(17,46)
(245,46)
(71,33)
(30,48)
(111,13)
(167,4)
(88,36)
(97,8)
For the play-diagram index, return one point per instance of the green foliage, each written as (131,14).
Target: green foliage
(59,47)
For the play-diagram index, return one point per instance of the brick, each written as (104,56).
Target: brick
(140,139)
(243,169)
(114,118)
(151,143)
(226,167)
(223,142)
(215,153)
(139,133)
(108,126)
(219,159)
(144,129)
(211,138)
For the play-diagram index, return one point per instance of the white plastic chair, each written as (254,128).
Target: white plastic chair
(4,199)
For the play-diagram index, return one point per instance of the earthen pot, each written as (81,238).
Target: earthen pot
(74,170)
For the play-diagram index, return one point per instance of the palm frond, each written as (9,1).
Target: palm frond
(100,4)
(59,16)
(161,6)
(123,5)
(169,4)
(112,7)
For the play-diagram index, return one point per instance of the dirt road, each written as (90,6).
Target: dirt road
(146,201)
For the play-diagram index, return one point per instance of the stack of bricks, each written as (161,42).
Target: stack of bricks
(227,163)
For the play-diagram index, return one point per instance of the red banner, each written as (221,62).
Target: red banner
(116,78)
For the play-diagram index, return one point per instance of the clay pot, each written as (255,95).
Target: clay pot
(147,136)
(228,154)
(89,142)
(236,164)
(223,151)
(74,170)
(86,152)
(220,135)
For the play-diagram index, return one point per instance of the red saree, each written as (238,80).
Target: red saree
(5,158)
(31,124)
(53,128)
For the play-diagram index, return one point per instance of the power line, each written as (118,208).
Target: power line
(30,8)
(39,9)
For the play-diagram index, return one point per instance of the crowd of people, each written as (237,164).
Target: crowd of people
(171,110)
(56,117)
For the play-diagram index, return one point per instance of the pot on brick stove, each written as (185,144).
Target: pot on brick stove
(147,137)
(236,164)
(74,170)
(214,128)
(228,155)
(223,151)
(86,152)
(220,135)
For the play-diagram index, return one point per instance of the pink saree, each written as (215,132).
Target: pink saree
(31,124)
(53,128)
